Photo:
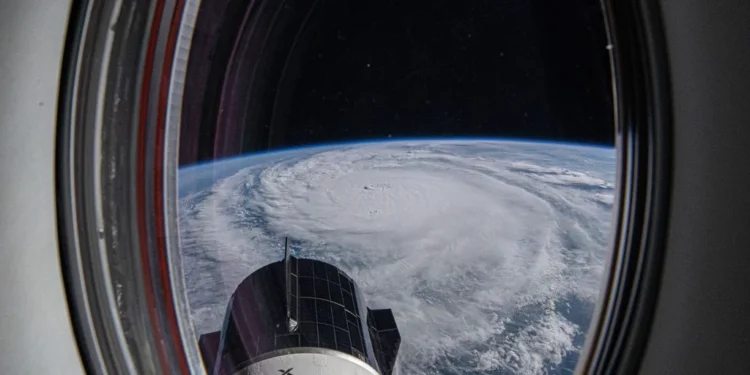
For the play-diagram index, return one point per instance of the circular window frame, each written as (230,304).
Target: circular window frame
(117,204)
(620,329)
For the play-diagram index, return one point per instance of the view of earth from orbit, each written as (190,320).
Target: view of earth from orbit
(490,253)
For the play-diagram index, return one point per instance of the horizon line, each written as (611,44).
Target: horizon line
(391,140)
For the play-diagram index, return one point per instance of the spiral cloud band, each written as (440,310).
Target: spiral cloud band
(489,253)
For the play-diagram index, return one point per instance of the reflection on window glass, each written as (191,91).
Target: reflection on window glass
(426,186)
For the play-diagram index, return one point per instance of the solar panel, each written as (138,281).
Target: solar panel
(352,319)
(308,334)
(324,312)
(327,336)
(342,338)
(349,302)
(339,316)
(307,310)
(336,294)
(307,287)
(319,268)
(356,338)
(322,302)
(308,341)
(332,274)
(346,284)
(321,289)
(305,267)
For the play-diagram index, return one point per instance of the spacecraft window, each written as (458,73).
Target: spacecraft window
(456,160)
(413,186)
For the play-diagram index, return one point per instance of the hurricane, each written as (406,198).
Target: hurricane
(489,253)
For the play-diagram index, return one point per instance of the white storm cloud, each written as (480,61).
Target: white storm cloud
(473,246)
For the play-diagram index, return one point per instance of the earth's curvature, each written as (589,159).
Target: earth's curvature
(490,253)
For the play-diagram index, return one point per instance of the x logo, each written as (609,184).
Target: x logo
(286,372)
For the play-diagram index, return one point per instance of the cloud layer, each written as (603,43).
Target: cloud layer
(489,253)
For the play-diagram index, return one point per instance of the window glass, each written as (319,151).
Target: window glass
(452,161)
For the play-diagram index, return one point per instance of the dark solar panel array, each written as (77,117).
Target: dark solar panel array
(323,306)
(326,309)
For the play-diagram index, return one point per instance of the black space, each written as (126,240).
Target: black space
(341,70)
(525,69)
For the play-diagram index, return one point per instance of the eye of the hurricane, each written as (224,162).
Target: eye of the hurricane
(413,187)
